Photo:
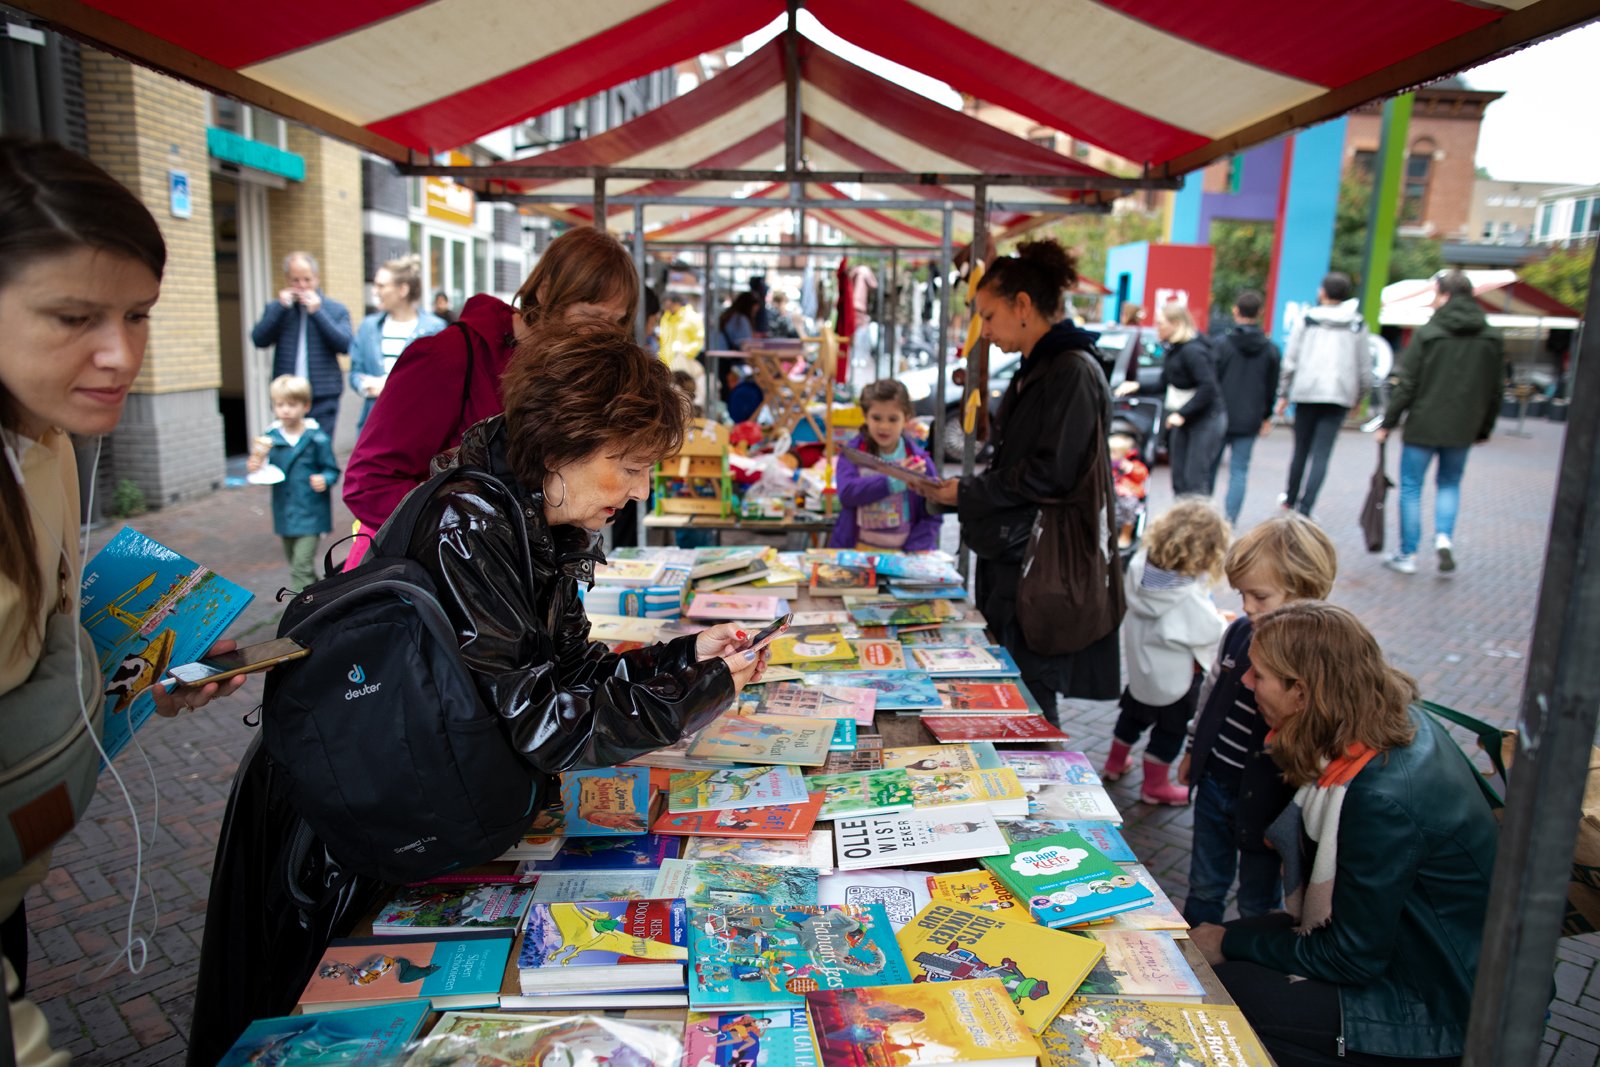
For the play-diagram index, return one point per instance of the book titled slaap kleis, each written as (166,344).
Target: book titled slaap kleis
(735,607)
(148,609)
(819,701)
(915,837)
(713,884)
(895,690)
(735,787)
(770,956)
(508,1040)
(1140,963)
(1054,766)
(928,758)
(442,906)
(791,822)
(968,696)
(1094,1031)
(815,851)
(460,970)
(928,1024)
(789,740)
(604,946)
(356,1037)
(1039,968)
(980,891)
(999,791)
(902,893)
(963,729)
(777,1038)
(862,792)
(1066,880)
(1104,836)
(613,800)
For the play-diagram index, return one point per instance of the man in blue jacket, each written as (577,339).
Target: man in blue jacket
(309,331)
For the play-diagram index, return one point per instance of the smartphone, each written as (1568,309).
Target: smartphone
(244,660)
(768,632)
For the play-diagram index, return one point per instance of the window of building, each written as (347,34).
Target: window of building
(1545,215)
(1419,167)
(249,122)
(1580,216)
(1365,164)
(1488,230)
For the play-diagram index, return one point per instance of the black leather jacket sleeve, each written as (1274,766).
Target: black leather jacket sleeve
(567,703)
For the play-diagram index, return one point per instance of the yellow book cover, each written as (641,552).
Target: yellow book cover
(811,648)
(980,891)
(1039,968)
(945,788)
(927,1023)
(922,758)
(1090,1033)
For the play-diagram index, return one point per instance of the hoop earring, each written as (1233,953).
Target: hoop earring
(563,500)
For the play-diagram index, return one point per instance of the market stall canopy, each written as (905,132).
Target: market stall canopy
(1508,301)
(1170,84)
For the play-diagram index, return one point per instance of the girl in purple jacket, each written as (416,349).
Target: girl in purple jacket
(876,511)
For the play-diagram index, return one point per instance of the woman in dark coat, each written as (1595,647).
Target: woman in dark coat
(1199,424)
(1045,439)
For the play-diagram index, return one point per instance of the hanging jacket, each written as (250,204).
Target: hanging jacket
(1328,358)
(1167,634)
(1247,374)
(1450,378)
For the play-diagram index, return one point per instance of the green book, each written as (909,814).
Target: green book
(862,793)
(1065,880)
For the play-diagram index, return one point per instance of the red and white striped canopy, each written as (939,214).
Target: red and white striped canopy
(1165,83)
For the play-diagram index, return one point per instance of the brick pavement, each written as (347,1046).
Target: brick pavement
(1466,639)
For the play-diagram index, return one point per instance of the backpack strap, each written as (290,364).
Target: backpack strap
(466,379)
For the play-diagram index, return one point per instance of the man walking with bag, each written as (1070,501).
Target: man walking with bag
(1448,391)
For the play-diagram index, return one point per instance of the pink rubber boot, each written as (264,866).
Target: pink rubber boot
(1119,763)
(1158,787)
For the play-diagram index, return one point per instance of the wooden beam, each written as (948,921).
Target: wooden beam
(791,90)
(102,31)
(548,172)
(1517,29)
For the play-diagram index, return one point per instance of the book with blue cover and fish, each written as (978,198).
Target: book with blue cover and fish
(459,970)
(611,800)
(354,1037)
(771,956)
(148,609)
(1066,881)
(604,946)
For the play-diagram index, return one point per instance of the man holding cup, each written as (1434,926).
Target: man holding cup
(309,331)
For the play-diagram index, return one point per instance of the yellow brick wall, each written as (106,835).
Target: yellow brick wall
(142,125)
(322,215)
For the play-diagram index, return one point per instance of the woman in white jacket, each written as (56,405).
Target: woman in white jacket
(1169,635)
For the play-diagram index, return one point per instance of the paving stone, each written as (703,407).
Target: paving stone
(1575,1052)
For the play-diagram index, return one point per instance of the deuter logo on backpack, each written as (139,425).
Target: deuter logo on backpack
(358,676)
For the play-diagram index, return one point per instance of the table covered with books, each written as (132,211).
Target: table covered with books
(884,854)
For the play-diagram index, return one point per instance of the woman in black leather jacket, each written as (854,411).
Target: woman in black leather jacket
(1199,423)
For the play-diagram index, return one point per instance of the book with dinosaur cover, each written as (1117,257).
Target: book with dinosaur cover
(456,970)
(1039,968)
(964,729)
(789,740)
(895,690)
(923,758)
(502,1039)
(604,946)
(1066,880)
(714,884)
(1094,1031)
(611,800)
(902,893)
(965,696)
(1051,766)
(1140,963)
(815,851)
(735,787)
(439,907)
(928,1024)
(862,793)
(356,1037)
(999,792)
(980,891)
(915,837)
(633,852)
(771,956)
(790,822)
(777,1038)
(562,886)
(819,701)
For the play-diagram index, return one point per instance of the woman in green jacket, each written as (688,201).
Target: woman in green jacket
(1387,848)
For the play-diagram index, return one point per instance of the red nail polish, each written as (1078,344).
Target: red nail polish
(741,635)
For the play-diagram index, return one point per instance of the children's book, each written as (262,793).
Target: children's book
(769,956)
(612,800)
(767,739)
(534,847)
(629,572)
(788,822)
(507,1040)
(901,591)
(731,606)
(921,1025)
(1039,968)
(147,610)
(923,569)
(735,787)
(458,970)
(895,690)
(880,654)
(662,601)
(964,729)
(832,579)
(862,759)
(915,837)
(1140,963)
(778,1038)
(820,618)
(1066,880)
(944,635)
(1161,914)
(962,660)
(440,907)
(609,853)
(624,628)
(1075,803)
(910,475)
(816,851)
(961,696)
(999,792)
(354,1037)
(604,946)
(1094,1031)
(560,886)
(904,612)
(805,650)
(709,561)
(980,891)
(756,571)
(1055,766)
(1104,836)
(862,793)
(902,893)
(844,737)
(715,884)
(924,758)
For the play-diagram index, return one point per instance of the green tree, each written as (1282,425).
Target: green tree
(1241,259)
(1412,257)
(1564,274)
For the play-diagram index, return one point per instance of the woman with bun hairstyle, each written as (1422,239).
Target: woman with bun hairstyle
(1045,438)
(382,337)
(451,380)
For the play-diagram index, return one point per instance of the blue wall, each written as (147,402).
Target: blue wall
(1307,244)
(1132,260)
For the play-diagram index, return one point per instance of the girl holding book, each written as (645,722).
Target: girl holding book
(877,511)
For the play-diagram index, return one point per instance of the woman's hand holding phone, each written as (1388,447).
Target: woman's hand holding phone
(192,698)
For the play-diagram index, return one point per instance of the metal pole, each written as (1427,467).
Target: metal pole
(944,336)
(600,203)
(1560,701)
(894,317)
(791,91)
(977,361)
(708,303)
(885,321)
(638,265)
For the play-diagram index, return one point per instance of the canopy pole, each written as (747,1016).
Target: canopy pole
(894,317)
(642,317)
(939,397)
(600,203)
(978,358)
(791,92)
(708,301)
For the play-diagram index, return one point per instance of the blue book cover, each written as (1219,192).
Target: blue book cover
(611,800)
(462,970)
(844,736)
(771,956)
(896,690)
(354,1036)
(149,609)
(644,852)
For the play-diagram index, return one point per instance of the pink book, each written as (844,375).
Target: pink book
(735,606)
(962,729)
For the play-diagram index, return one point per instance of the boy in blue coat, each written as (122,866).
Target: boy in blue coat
(302,507)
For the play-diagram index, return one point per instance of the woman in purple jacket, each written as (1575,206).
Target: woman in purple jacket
(876,511)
